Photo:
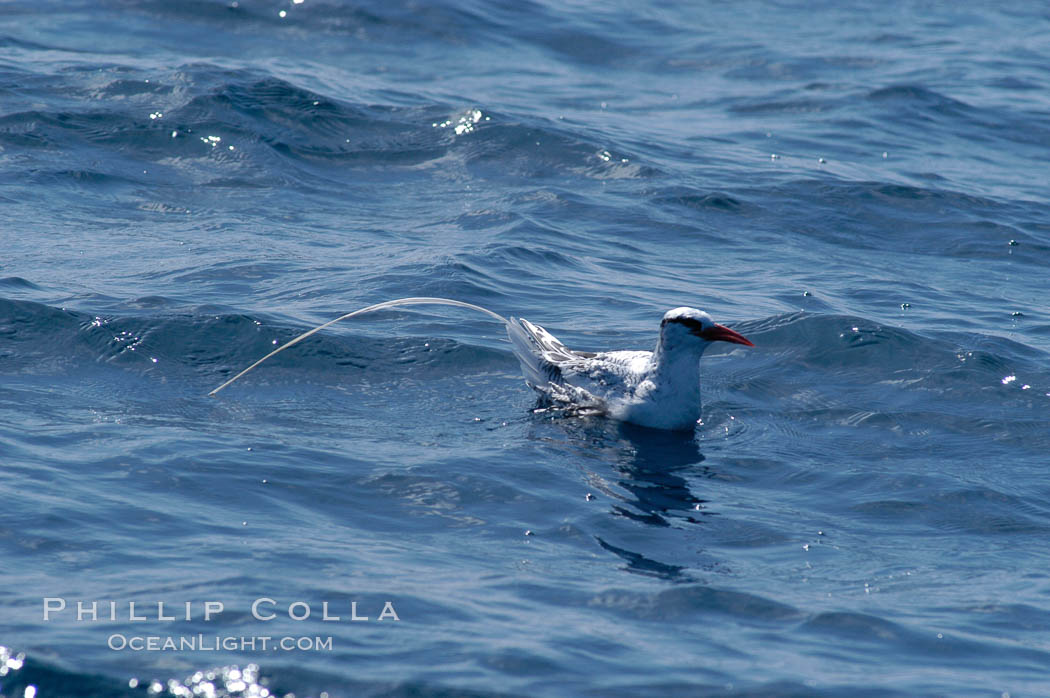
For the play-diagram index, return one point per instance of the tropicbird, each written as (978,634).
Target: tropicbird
(659,388)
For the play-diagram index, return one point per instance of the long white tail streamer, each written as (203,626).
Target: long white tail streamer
(377,306)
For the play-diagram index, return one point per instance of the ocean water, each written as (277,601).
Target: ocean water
(860,189)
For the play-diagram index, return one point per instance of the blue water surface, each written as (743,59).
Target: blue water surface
(858,188)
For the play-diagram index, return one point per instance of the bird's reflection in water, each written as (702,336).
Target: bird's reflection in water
(650,462)
(649,482)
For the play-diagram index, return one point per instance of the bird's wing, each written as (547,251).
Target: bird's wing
(544,359)
(567,375)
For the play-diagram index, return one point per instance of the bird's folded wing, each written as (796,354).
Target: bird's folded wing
(543,358)
(545,361)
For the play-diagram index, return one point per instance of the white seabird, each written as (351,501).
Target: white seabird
(659,388)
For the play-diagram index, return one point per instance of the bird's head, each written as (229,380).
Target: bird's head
(685,326)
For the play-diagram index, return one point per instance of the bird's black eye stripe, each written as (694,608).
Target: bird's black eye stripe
(694,325)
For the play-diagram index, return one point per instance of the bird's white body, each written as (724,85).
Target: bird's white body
(659,388)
